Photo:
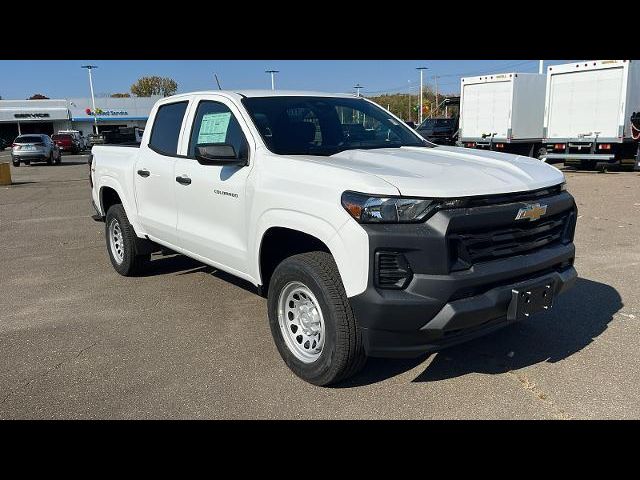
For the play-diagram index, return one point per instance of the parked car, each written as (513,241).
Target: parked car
(95,139)
(441,131)
(34,148)
(380,244)
(3,144)
(79,136)
(67,142)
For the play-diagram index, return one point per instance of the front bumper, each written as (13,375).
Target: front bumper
(442,305)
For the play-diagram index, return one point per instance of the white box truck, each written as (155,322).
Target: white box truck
(503,112)
(588,108)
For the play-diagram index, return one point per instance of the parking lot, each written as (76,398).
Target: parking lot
(185,341)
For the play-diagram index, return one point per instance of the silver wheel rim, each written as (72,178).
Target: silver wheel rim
(116,242)
(301,321)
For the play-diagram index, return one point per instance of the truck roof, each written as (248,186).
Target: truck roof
(496,77)
(586,65)
(265,93)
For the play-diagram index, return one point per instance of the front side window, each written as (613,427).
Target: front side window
(215,124)
(326,125)
(166,128)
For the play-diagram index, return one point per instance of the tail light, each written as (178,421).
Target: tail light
(90,162)
(16,146)
(559,146)
(604,146)
(470,145)
(392,270)
(499,145)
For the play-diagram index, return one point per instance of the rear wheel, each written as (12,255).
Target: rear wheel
(16,163)
(311,320)
(121,243)
(50,159)
(27,162)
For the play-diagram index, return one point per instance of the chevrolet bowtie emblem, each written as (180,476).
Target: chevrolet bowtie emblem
(532,212)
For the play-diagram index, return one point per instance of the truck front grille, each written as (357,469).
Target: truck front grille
(487,244)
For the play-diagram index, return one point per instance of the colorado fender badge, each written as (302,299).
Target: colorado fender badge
(532,212)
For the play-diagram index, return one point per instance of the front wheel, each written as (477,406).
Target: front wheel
(121,243)
(311,320)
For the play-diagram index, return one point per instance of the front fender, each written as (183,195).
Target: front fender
(348,244)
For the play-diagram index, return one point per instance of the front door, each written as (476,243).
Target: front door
(212,199)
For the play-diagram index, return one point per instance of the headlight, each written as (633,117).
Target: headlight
(367,209)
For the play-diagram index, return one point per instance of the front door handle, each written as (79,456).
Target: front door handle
(144,173)
(183,180)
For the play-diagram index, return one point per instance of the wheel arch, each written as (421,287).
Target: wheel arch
(314,234)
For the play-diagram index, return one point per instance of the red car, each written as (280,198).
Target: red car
(66,143)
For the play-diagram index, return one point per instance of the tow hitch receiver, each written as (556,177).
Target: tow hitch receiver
(528,300)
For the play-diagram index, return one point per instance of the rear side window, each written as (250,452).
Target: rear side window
(166,128)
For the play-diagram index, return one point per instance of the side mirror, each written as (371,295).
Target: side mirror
(217,154)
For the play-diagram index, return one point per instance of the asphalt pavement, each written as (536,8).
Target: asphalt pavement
(77,340)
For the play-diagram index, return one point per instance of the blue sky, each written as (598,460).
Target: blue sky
(20,79)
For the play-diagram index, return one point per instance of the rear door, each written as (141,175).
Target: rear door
(486,109)
(584,102)
(154,177)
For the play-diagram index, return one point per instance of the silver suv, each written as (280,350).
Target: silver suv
(34,147)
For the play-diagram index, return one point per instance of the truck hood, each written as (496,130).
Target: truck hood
(450,171)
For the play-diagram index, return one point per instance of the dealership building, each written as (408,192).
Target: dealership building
(50,116)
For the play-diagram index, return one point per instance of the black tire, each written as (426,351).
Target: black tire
(15,163)
(343,352)
(50,159)
(131,263)
(59,159)
(27,162)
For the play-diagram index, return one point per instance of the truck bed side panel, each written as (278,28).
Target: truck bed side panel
(527,115)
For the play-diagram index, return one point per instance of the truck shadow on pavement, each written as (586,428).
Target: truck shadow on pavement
(183,265)
(578,317)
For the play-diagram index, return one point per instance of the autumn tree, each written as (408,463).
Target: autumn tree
(148,86)
(38,96)
(120,95)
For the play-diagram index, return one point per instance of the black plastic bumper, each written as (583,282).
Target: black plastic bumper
(442,306)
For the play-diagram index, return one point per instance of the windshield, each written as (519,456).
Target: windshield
(61,137)
(437,123)
(326,125)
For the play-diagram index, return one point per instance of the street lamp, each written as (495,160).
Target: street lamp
(273,81)
(422,69)
(357,86)
(93,98)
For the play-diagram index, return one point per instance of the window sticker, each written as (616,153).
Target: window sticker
(213,128)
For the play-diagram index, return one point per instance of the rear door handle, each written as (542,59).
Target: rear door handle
(144,173)
(183,180)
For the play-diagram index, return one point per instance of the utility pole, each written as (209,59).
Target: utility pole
(422,69)
(541,66)
(435,77)
(217,81)
(93,98)
(273,80)
(357,86)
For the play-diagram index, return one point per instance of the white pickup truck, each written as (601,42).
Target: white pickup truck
(366,239)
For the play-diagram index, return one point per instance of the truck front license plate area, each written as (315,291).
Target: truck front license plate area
(528,300)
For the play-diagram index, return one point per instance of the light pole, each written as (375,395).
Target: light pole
(357,86)
(422,69)
(541,67)
(435,78)
(273,78)
(93,98)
